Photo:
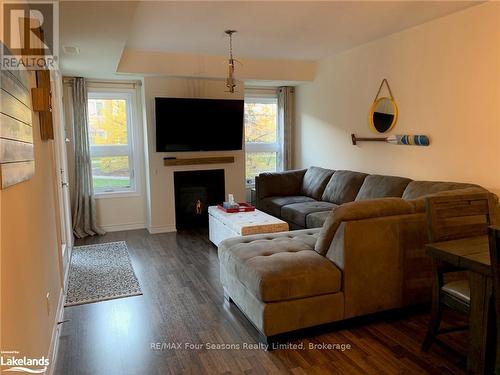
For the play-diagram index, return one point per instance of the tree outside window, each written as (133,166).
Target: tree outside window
(262,144)
(110,146)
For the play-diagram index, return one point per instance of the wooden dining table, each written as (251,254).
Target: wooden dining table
(472,254)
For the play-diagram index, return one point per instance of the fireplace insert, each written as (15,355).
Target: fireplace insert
(194,192)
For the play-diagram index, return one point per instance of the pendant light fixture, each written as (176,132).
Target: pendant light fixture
(230,80)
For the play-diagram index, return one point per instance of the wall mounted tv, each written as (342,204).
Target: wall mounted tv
(198,124)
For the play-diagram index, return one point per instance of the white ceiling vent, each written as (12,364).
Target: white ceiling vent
(71,50)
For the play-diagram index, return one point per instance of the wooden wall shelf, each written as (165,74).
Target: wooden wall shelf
(197,161)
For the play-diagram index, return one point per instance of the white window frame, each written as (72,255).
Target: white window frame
(119,150)
(265,96)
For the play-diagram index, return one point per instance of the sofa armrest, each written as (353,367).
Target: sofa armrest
(279,184)
(359,210)
(383,263)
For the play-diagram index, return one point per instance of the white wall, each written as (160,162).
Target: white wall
(445,76)
(161,208)
(31,279)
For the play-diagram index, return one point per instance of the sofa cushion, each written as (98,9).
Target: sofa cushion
(317,219)
(270,184)
(297,212)
(314,181)
(272,205)
(279,269)
(418,189)
(307,236)
(378,186)
(343,187)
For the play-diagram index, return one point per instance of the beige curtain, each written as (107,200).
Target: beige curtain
(84,215)
(286,114)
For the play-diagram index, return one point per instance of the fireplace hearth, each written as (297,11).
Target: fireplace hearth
(194,192)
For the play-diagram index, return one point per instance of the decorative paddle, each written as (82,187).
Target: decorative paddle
(398,139)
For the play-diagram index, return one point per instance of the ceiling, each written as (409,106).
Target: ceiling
(100,30)
(300,30)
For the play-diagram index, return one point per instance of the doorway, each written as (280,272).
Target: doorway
(61,173)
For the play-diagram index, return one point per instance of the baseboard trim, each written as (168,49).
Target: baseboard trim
(56,333)
(121,227)
(162,229)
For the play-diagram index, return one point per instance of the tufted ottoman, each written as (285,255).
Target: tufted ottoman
(280,282)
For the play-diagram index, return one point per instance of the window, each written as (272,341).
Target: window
(111,141)
(262,138)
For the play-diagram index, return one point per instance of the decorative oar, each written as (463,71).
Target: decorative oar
(398,139)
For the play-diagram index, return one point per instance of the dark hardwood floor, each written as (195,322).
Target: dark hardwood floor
(183,303)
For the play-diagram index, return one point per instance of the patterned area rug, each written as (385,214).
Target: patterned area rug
(101,272)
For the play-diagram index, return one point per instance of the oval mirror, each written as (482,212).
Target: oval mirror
(383,114)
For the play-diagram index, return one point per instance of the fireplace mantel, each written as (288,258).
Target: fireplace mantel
(197,161)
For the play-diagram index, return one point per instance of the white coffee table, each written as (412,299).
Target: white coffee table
(224,225)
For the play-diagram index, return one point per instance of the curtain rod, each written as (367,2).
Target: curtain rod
(105,81)
(262,88)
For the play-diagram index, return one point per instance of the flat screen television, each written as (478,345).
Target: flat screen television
(198,124)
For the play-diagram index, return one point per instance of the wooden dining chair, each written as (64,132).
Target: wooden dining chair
(451,217)
(494,236)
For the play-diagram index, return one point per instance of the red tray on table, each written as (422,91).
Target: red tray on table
(244,207)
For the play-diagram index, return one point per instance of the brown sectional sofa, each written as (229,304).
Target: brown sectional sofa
(362,250)
(304,198)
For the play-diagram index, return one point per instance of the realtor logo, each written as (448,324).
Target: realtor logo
(29,35)
(11,363)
